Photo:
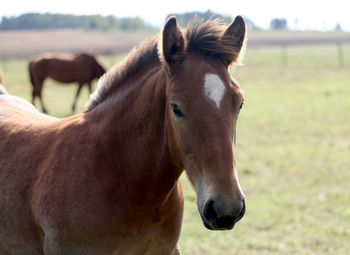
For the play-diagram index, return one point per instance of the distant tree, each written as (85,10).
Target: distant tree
(338,27)
(53,21)
(131,23)
(278,24)
(42,21)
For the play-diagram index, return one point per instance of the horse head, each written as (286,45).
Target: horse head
(203,103)
(99,69)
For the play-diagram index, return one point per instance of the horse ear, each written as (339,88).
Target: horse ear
(173,43)
(235,36)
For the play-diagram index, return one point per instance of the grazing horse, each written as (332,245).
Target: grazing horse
(65,68)
(106,181)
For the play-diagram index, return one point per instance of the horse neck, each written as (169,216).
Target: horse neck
(132,131)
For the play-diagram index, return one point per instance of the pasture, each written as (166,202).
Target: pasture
(293,152)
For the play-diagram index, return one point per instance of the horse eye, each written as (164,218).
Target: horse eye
(240,107)
(177,111)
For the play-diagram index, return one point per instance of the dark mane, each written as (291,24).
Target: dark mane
(204,38)
(138,59)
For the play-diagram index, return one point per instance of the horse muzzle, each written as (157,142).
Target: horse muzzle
(222,215)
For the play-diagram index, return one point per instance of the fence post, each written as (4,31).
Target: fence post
(340,55)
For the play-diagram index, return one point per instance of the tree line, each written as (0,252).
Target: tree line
(105,23)
(55,21)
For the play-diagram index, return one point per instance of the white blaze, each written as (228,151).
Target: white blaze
(214,88)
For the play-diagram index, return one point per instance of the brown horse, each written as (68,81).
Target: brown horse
(106,181)
(81,68)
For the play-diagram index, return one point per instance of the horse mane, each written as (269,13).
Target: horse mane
(204,38)
(138,59)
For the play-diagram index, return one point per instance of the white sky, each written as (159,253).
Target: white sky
(310,14)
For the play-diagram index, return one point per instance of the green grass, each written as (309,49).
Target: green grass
(293,153)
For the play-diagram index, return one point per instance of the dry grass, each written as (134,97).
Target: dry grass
(23,44)
(273,38)
(26,43)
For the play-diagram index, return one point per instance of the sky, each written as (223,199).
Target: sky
(300,14)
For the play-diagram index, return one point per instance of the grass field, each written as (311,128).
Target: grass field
(293,153)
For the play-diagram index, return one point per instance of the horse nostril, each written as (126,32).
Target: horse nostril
(241,213)
(209,212)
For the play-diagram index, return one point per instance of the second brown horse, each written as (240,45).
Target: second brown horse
(81,68)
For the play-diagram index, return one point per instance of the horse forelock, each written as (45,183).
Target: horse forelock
(207,39)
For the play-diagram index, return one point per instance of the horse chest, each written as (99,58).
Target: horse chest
(139,237)
(145,243)
(150,235)
(150,230)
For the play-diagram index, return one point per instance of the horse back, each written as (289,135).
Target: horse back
(65,68)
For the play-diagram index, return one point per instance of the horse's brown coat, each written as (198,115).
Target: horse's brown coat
(107,181)
(65,68)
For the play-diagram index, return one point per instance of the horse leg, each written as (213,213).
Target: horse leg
(41,99)
(37,92)
(34,93)
(42,105)
(76,97)
(33,96)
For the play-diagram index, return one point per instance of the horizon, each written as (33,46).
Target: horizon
(300,15)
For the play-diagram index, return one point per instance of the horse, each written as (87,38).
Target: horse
(106,181)
(65,68)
